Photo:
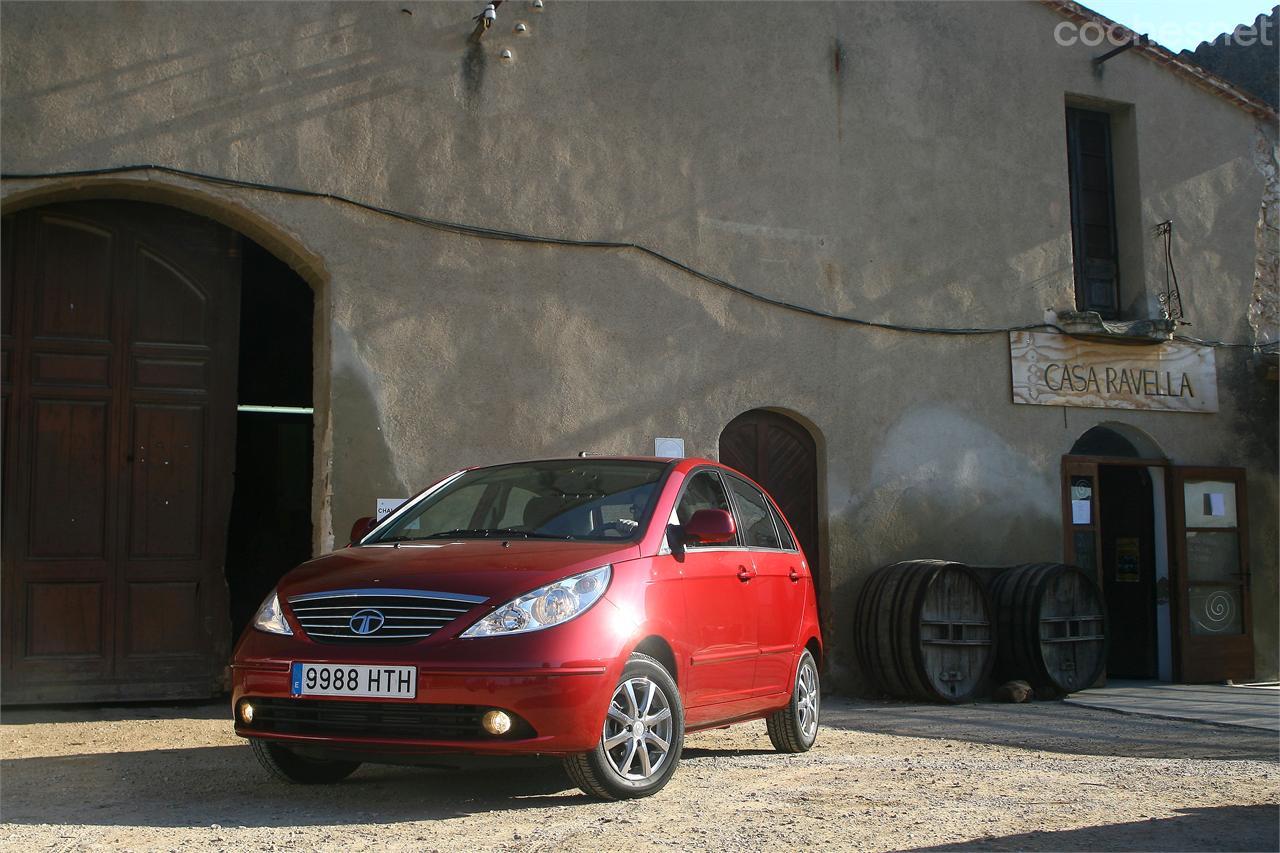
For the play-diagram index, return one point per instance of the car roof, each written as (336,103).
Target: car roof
(606,458)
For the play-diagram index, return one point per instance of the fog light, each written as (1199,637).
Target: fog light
(496,722)
(246,712)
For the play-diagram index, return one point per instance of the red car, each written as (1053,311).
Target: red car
(594,609)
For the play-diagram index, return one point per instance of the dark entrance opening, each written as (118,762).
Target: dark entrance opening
(1109,472)
(1128,569)
(270,527)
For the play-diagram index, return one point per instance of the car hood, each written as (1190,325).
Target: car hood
(484,567)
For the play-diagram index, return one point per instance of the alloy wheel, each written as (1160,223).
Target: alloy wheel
(638,729)
(807,699)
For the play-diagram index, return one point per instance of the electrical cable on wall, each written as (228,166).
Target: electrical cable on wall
(517,237)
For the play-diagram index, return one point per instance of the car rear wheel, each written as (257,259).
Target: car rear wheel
(795,727)
(284,763)
(642,738)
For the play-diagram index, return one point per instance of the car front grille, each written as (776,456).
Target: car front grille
(377,615)
(398,720)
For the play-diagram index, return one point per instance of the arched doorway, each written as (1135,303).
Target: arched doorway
(122,347)
(1169,545)
(781,455)
(1133,571)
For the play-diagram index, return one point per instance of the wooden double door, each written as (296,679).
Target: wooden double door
(119,328)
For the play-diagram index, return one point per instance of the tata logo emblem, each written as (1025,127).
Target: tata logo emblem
(366,621)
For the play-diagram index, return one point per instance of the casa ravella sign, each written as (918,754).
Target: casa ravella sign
(1058,370)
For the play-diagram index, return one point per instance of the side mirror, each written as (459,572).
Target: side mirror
(710,527)
(361,528)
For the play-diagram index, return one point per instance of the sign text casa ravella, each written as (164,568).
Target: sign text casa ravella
(1058,370)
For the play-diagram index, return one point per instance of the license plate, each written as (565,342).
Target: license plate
(331,679)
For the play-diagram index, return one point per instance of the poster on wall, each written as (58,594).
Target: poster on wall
(1128,560)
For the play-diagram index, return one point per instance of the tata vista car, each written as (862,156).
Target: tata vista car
(594,609)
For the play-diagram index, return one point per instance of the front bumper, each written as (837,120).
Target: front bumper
(556,681)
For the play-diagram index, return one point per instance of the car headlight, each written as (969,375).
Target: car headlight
(546,606)
(270,617)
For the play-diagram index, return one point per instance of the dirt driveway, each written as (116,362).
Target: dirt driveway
(1042,776)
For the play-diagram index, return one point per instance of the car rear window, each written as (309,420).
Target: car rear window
(756,525)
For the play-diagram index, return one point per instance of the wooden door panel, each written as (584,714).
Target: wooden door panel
(163,618)
(64,619)
(170,307)
(8,232)
(69,479)
(170,374)
(739,447)
(85,370)
(74,280)
(166,506)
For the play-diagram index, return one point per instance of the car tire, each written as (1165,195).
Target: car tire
(627,761)
(284,763)
(795,727)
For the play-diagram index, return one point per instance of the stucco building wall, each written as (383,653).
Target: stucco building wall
(898,162)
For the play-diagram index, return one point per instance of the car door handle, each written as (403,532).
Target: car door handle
(795,576)
(744,574)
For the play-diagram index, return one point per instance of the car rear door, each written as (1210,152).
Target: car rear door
(778,588)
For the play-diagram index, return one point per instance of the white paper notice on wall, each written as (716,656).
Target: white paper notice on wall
(669,447)
(386,506)
(1215,504)
(1080,512)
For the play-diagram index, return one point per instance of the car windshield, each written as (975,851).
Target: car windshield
(595,499)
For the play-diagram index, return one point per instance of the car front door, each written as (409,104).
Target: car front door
(719,601)
(778,588)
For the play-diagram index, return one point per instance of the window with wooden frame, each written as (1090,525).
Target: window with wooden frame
(1091,173)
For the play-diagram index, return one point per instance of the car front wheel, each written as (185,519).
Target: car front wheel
(795,727)
(284,763)
(642,738)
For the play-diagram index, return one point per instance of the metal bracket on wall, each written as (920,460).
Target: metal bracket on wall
(1170,298)
(1136,41)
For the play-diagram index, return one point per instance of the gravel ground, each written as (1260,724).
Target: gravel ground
(883,776)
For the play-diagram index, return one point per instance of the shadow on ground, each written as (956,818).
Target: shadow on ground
(224,785)
(196,709)
(1055,727)
(1195,829)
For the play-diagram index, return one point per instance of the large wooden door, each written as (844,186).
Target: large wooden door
(119,334)
(780,455)
(1211,571)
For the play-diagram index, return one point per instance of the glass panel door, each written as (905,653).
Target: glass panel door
(1213,574)
(1080,505)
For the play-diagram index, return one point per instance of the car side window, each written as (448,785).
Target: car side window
(753,512)
(703,491)
(788,544)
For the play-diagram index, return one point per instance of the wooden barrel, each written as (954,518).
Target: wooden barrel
(923,631)
(1052,626)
